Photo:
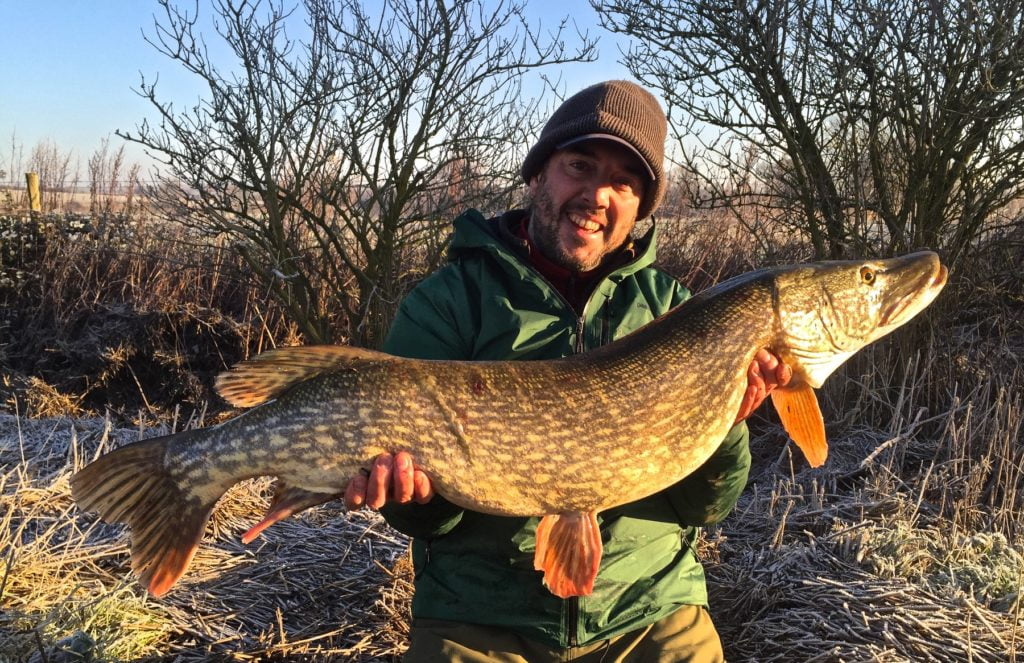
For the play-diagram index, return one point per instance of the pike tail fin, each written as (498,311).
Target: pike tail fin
(801,417)
(131,485)
(569,552)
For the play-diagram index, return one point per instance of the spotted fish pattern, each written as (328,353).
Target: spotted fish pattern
(556,439)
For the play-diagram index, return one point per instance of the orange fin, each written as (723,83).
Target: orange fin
(267,375)
(131,485)
(801,417)
(569,552)
(287,502)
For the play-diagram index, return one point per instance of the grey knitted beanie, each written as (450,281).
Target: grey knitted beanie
(619,110)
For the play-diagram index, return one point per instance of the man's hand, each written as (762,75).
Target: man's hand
(766,372)
(392,478)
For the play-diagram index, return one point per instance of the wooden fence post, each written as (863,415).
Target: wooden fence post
(34,201)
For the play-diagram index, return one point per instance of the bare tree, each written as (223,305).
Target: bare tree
(112,184)
(864,125)
(329,157)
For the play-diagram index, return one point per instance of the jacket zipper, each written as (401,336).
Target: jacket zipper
(426,559)
(572,635)
(573,608)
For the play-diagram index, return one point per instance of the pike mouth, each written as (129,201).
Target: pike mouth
(893,312)
(915,296)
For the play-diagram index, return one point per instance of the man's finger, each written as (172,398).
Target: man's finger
(755,379)
(379,481)
(783,374)
(402,478)
(767,360)
(423,490)
(355,492)
(754,371)
(748,404)
(773,370)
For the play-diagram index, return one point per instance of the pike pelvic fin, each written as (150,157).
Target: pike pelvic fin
(131,485)
(265,376)
(287,502)
(569,552)
(801,417)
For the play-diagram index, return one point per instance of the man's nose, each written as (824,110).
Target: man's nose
(597,193)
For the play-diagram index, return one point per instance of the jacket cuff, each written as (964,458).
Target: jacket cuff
(423,521)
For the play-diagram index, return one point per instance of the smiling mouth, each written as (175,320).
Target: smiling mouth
(583,223)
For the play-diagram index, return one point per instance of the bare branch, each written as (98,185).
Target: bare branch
(878,125)
(340,140)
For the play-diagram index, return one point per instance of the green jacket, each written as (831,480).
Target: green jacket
(488,303)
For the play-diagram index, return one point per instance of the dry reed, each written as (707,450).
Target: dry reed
(318,587)
(123,313)
(906,546)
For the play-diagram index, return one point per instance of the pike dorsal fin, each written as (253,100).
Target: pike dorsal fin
(801,417)
(267,375)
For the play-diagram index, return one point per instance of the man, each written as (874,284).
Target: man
(562,277)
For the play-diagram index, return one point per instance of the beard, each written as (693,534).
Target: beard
(545,228)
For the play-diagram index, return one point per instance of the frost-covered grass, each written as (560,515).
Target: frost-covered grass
(905,546)
(318,586)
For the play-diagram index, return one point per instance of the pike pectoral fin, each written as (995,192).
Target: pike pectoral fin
(568,552)
(287,502)
(801,417)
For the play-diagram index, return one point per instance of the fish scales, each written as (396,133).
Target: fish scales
(565,418)
(554,438)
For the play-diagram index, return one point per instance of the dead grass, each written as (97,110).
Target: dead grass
(864,561)
(122,313)
(906,546)
(318,587)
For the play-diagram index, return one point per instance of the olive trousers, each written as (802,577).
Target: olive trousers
(685,636)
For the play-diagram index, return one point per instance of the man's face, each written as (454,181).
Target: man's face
(585,202)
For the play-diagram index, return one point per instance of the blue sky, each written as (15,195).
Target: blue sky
(68,69)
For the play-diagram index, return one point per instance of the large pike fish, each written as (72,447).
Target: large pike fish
(556,439)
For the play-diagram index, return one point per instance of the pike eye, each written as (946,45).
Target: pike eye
(867,275)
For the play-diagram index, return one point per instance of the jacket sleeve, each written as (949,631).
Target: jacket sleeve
(680,294)
(428,326)
(709,494)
